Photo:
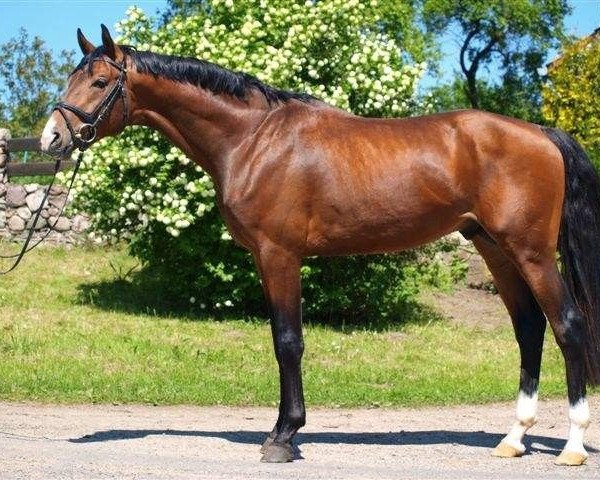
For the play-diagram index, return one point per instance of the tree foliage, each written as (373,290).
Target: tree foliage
(30,82)
(140,188)
(571,95)
(515,98)
(510,38)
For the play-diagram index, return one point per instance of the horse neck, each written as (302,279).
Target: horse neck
(205,126)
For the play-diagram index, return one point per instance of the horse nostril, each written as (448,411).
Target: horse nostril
(55,138)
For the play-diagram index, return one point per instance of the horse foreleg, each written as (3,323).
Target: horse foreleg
(280,272)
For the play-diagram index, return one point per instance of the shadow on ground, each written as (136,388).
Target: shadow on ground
(150,296)
(534,443)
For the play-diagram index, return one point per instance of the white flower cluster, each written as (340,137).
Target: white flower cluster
(329,48)
(128,188)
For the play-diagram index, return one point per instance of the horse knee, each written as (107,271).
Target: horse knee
(570,331)
(289,346)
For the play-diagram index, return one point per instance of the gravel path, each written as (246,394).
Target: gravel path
(144,442)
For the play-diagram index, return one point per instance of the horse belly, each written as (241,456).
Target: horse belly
(391,224)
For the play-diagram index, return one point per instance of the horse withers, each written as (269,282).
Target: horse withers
(296,177)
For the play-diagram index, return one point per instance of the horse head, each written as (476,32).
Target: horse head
(95,103)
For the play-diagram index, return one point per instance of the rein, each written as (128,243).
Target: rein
(82,138)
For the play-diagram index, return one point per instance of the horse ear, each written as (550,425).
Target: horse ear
(86,46)
(111,49)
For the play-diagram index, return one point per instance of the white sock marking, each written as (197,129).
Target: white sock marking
(579,415)
(526,414)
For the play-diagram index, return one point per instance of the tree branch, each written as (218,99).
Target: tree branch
(483,53)
(470,71)
(465,46)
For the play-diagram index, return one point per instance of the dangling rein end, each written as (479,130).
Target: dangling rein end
(26,246)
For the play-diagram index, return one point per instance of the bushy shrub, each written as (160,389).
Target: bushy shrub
(197,272)
(139,188)
(369,289)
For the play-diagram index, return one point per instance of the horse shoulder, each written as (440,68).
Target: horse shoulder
(273,177)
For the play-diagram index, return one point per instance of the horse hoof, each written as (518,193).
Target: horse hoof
(268,442)
(504,450)
(277,453)
(570,459)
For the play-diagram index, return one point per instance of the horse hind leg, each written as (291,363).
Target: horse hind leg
(539,269)
(568,325)
(529,324)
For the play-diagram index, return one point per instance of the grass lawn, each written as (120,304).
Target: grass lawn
(60,341)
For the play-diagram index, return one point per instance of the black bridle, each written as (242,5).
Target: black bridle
(85,135)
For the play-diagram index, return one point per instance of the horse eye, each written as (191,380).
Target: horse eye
(100,83)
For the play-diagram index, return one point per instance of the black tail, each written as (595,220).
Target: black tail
(579,242)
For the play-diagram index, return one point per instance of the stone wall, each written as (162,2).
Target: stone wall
(20,203)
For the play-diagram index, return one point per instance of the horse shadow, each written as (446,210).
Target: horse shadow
(482,439)
(151,297)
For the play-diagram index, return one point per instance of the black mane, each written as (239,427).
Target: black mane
(201,73)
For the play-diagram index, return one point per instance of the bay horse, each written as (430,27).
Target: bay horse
(296,177)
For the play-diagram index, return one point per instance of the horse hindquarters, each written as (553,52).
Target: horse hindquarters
(579,240)
(528,236)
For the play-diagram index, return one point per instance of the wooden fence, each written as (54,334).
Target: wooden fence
(31,144)
(20,202)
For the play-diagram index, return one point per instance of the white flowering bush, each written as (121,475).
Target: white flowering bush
(140,188)
(130,188)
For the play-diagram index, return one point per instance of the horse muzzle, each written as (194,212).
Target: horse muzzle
(56,139)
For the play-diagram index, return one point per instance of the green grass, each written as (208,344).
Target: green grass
(61,340)
(27,179)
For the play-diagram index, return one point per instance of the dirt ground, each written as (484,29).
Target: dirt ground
(471,307)
(474,302)
(145,442)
